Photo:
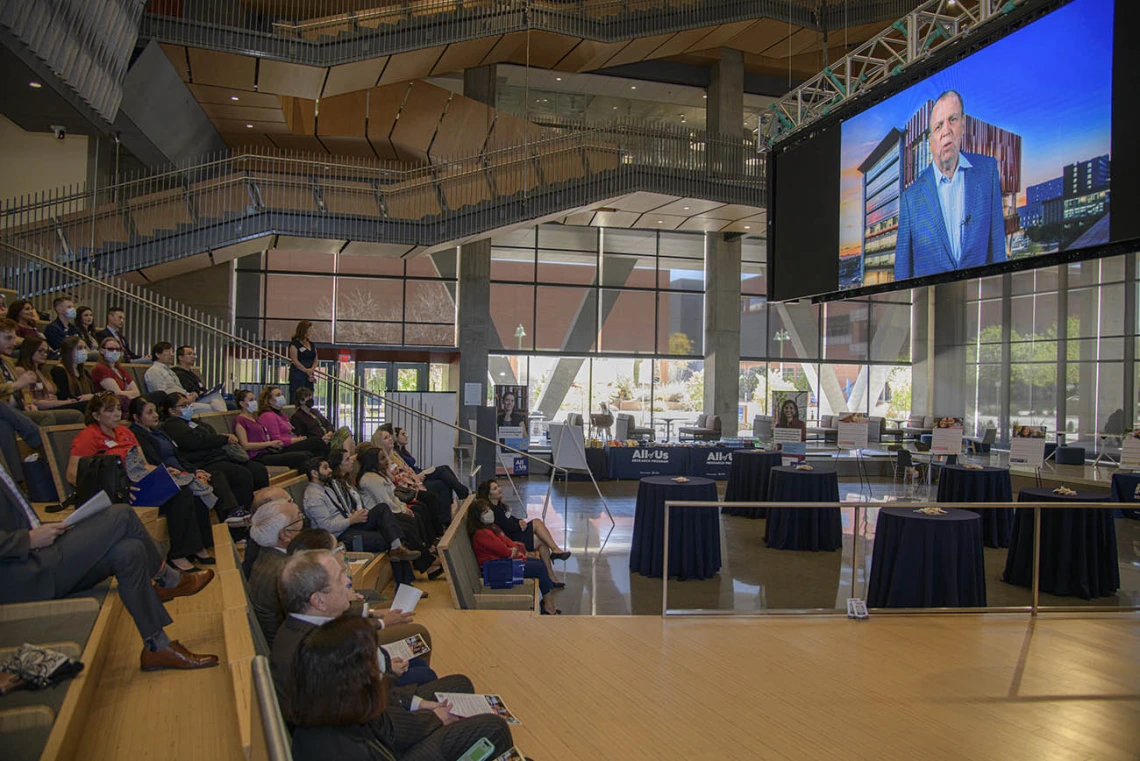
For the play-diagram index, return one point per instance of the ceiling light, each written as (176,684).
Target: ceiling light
(615,108)
(686,208)
(661,221)
(748,227)
(34,85)
(233,97)
(633,87)
(705,97)
(249,126)
(558,79)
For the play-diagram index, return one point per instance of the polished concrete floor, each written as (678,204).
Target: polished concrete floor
(752,577)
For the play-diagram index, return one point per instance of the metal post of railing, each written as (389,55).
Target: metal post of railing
(1036,558)
(665,567)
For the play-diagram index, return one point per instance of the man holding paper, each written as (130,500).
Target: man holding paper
(47,561)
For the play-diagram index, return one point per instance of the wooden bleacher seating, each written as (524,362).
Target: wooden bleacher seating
(269,740)
(465,579)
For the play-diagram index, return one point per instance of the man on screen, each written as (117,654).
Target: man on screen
(950,218)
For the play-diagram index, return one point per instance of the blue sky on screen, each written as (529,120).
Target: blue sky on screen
(1050,82)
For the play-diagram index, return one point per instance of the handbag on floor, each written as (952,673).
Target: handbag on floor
(40,667)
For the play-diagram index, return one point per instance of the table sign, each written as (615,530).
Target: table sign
(1130,451)
(947,436)
(1030,452)
(853,434)
(792,452)
(790,435)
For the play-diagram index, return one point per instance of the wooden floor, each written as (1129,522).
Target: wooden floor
(976,687)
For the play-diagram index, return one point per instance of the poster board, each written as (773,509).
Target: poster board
(512,427)
(853,431)
(1027,447)
(568,447)
(947,436)
(1130,450)
(785,403)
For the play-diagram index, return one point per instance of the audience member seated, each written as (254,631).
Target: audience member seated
(160,449)
(64,323)
(375,481)
(27,320)
(270,406)
(116,319)
(334,504)
(790,418)
(109,374)
(314,588)
(442,473)
(16,384)
(14,421)
(187,519)
(307,421)
(256,441)
(532,534)
(264,497)
(85,324)
(160,377)
(272,528)
(348,714)
(70,376)
(490,543)
(219,454)
(41,395)
(379,493)
(407,478)
(47,561)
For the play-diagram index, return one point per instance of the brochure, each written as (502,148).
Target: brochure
(406,599)
(514,754)
(466,706)
(412,647)
(96,504)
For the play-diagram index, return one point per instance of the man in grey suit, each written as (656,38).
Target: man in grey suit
(314,589)
(47,561)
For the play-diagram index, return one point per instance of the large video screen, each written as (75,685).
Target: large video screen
(1004,155)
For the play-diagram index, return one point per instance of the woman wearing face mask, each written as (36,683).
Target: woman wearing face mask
(85,324)
(202,447)
(256,441)
(533,534)
(72,381)
(110,376)
(193,528)
(490,543)
(307,421)
(270,413)
(41,395)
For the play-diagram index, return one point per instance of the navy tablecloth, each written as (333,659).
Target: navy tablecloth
(805,528)
(694,533)
(927,561)
(748,481)
(960,484)
(639,462)
(1078,547)
(1126,488)
(712,462)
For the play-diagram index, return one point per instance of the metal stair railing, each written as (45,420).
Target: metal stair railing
(175,212)
(225,355)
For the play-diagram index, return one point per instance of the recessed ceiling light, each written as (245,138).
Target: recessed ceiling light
(249,126)
(661,221)
(748,227)
(233,97)
(34,85)
(558,79)
(686,208)
(615,108)
(705,97)
(633,87)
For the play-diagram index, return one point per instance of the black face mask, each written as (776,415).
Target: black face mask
(309,403)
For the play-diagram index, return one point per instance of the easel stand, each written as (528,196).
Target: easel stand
(568,453)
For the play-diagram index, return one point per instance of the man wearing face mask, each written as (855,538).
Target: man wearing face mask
(161,377)
(63,325)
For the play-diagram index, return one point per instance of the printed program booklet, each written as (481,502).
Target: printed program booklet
(466,706)
(412,647)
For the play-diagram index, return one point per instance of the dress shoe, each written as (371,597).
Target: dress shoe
(564,555)
(203,561)
(191,584)
(402,554)
(175,657)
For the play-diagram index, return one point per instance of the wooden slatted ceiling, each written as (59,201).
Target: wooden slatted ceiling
(464,55)
(349,77)
(384,104)
(290,78)
(418,120)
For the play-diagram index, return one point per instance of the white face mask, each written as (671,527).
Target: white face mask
(487,517)
(112,356)
(80,356)
(279,402)
(69,313)
(251,405)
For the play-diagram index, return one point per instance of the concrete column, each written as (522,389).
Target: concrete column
(722,329)
(724,109)
(473,319)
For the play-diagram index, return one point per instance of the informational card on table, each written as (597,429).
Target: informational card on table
(466,706)
(412,647)
(787,435)
(1028,452)
(947,436)
(852,434)
(792,452)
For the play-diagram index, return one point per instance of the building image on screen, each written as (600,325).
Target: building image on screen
(1003,155)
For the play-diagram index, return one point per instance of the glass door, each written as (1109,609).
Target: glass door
(410,377)
(370,411)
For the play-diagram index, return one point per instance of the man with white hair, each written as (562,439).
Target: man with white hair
(274,525)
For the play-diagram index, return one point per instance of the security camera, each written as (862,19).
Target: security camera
(59,131)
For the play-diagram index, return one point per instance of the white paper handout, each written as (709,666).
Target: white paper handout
(466,706)
(412,647)
(406,599)
(96,504)
(1029,452)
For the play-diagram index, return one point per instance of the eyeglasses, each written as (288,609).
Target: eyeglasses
(303,520)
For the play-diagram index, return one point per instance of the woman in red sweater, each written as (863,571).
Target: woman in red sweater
(490,543)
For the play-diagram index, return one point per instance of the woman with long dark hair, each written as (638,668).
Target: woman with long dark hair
(789,417)
(256,441)
(85,324)
(302,358)
(531,534)
(377,489)
(72,381)
(42,395)
(490,543)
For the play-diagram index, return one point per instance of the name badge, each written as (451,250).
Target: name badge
(110,444)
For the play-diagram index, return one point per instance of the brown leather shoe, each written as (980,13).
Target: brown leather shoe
(175,657)
(191,584)
(402,554)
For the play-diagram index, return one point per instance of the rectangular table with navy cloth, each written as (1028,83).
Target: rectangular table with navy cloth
(1078,547)
(640,462)
(694,532)
(712,462)
(927,561)
(748,481)
(804,528)
(1126,488)
(961,484)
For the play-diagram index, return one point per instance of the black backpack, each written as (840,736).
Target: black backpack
(101,473)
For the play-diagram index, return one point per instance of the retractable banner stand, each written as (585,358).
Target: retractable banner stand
(512,428)
(1027,447)
(947,437)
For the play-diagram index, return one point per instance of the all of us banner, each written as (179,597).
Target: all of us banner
(513,428)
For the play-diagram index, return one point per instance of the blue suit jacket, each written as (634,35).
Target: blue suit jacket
(923,246)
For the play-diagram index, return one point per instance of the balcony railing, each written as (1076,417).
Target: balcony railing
(161,216)
(330,32)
